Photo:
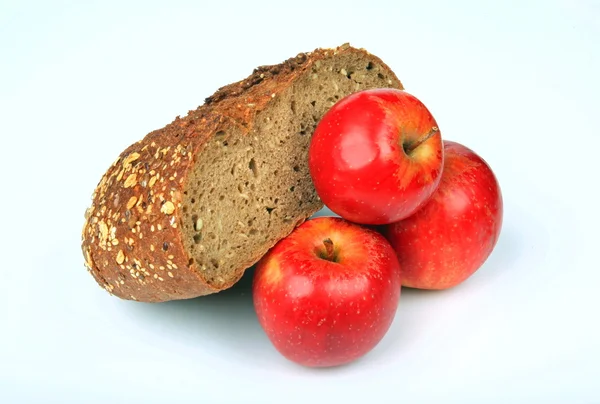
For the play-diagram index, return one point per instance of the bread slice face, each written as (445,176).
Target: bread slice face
(186,210)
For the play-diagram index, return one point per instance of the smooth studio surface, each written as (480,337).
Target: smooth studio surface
(515,82)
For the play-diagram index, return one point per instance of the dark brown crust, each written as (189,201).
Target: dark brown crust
(131,238)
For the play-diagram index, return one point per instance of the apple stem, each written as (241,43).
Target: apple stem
(412,146)
(329,253)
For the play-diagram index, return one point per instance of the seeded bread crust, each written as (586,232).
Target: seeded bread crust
(132,239)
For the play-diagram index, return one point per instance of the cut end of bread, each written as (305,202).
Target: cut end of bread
(240,183)
(250,189)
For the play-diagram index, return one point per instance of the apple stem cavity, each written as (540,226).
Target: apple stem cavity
(329,250)
(413,145)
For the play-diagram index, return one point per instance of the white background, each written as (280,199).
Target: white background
(517,81)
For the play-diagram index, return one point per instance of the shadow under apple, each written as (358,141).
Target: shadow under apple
(419,310)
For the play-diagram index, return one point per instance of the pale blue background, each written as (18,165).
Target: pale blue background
(517,81)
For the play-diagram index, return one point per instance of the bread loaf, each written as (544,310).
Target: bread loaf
(184,211)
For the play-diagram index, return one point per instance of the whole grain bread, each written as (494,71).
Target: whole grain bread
(184,211)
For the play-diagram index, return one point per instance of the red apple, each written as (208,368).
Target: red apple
(376,156)
(327,294)
(446,241)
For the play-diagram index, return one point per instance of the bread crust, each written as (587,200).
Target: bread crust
(132,237)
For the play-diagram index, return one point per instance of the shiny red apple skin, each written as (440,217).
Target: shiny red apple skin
(358,157)
(320,313)
(450,238)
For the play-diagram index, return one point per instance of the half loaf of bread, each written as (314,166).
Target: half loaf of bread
(183,212)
